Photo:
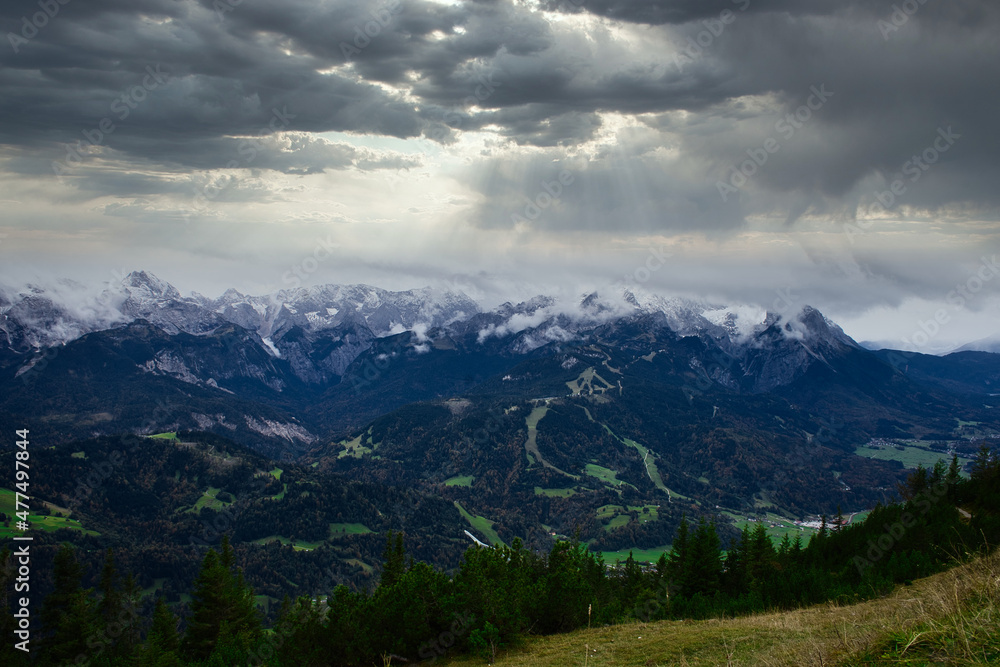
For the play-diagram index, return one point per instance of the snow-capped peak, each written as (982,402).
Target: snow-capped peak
(142,285)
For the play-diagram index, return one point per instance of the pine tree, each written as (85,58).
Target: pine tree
(736,562)
(704,567)
(677,564)
(954,478)
(129,618)
(785,547)
(111,616)
(393,559)
(110,605)
(163,642)
(938,473)
(760,559)
(222,606)
(632,579)
(915,484)
(984,463)
(661,572)
(67,614)
(302,634)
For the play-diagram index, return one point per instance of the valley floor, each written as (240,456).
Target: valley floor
(949,618)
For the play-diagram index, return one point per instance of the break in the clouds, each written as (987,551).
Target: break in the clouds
(846,149)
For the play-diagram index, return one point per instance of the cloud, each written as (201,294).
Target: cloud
(432,130)
(432,69)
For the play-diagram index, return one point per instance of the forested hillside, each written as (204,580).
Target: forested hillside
(500,595)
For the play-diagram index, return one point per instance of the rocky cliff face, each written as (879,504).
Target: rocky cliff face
(320,331)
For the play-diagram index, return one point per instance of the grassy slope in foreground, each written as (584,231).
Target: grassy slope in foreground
(951,618)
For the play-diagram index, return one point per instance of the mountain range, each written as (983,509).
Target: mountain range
(608,417)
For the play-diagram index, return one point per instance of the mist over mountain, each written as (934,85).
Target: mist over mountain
(37,317)
(298,367)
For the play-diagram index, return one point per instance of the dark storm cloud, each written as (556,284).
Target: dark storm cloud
(91,62)
(660,12)
(410,68)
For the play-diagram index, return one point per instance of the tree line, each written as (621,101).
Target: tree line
(502,594)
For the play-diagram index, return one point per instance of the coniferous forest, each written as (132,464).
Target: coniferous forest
(500,595)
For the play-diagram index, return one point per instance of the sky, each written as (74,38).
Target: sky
(838,153)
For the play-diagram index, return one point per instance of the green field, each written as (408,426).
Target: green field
(651,469)
(298,545)
(165,436)
(264,602)
(79,455)
(946,619)
(641,555)
(354,448)
(460,480)
(605,512)
(585,383)
(531,446)
(157,585)
(208,499)
(914,453)
(860,516)
(481,524)
(37,521)
(616,515)
(781,528)
(554,493)
(339,529)
(359,563)
(276,473)
(606,475)
(649,461)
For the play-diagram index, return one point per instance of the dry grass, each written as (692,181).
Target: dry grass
(950,618)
